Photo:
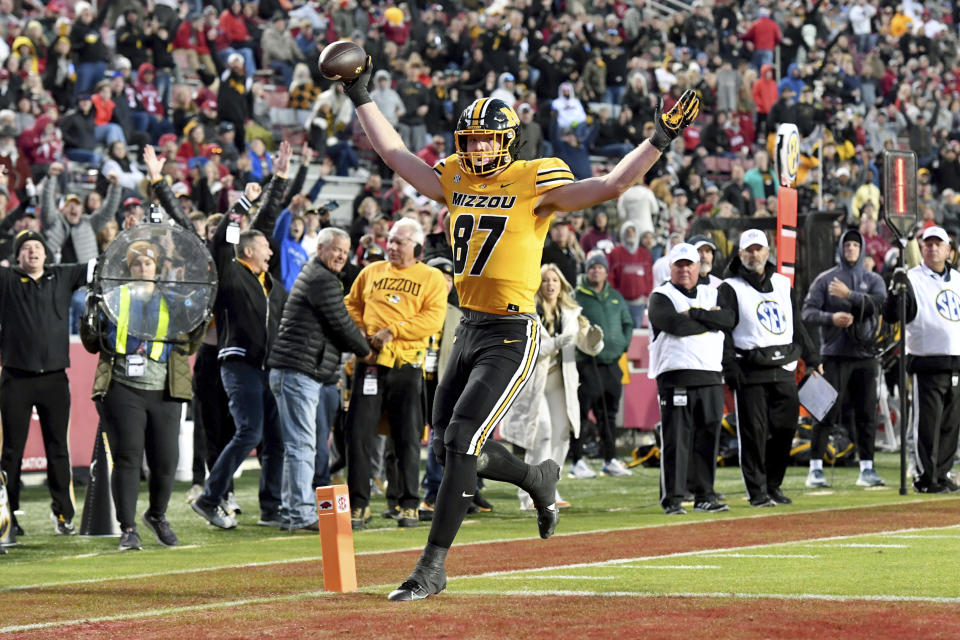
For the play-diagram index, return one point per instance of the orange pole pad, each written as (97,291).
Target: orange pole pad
(336,539)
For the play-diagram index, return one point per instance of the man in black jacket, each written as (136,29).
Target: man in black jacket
(759,358)
(34,344)
(304,366)
(247,313)
(235,97)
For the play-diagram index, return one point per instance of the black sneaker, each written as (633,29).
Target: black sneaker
(359,517)
(161,529)
(710,506)
(777,496)
(931,487)
(544,493)
(130,540)
(391,513)
(274,519)
(62,526)
(425,511)
(762,501)
(949,485)
(214,515)
(674,509)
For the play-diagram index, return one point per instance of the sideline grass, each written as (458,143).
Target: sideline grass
(598,504)
(896,565)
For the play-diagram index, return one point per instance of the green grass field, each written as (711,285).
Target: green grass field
(613,541)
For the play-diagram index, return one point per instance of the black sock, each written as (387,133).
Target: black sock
(497,463)
(455,495)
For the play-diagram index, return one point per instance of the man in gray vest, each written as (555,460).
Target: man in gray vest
(932,323)
(760,356)
(686,360)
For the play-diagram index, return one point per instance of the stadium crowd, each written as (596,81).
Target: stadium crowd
(222,90)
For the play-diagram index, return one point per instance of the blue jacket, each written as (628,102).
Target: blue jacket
(292,254)
(797,84)
(867,294)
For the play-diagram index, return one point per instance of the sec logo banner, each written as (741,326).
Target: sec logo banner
(771,317)
(948,305)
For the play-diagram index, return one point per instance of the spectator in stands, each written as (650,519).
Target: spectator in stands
(639,205)
(233,37)
(261,161)
(387,99)
(531,134)
(631,271)
(711,200)
(415,98)
(435,151)
(764,34)
(279,50)
(117,162)
(762,179)
(661,267)
(79,132)
(572,149)
(151,101)
(42,144)
(235,95)
(398,328)
(304,363)
(737,193)
(605,307)
(106,128)
(613,137)
(86,44)
(34,297)
(59,76)
(303,93)
(866,192)
(765,95)
(846,302)
(131,41)
(598,235)
(124,102)
(547,409)
(562,250)
(191,39)
(288,233)
(568,108)
(247,312)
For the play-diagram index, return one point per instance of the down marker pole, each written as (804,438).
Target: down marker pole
(336,539)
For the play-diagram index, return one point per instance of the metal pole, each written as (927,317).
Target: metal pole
(903,379)
(820,181)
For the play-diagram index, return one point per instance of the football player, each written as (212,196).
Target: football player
(500,211)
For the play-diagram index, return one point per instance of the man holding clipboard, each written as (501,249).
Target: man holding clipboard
(845,302)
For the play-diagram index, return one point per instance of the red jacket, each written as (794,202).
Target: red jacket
(765,91)
(231,28)
(188,38)
(39,146)
(631,273)
(764,34)
(148,94)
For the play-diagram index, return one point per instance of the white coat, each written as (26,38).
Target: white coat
(521,424)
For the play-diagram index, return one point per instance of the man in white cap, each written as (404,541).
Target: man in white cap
(760,356)
(932,323)
(686,357)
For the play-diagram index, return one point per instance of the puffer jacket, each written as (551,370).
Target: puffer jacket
(315,327)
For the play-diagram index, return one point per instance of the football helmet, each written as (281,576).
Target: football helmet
(487,117)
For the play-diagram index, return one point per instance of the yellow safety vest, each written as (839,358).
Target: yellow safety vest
(123,319)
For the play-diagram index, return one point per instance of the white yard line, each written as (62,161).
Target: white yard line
(725,595)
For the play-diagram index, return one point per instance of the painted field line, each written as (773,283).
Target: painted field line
(923,537)
(647,567)
(722,594)
(685,554)
(223,567)
(862,545)
(166,611)
(776,556)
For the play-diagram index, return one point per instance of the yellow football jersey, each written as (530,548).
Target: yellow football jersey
(497,240)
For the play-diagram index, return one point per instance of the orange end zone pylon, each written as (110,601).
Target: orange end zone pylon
(336,539)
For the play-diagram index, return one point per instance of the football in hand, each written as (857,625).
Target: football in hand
(342,60)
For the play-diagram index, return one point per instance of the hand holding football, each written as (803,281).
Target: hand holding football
(342,60)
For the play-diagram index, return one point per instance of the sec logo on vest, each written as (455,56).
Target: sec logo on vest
(771,317)
(948,305)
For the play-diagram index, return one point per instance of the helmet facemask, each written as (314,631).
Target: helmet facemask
(484,163)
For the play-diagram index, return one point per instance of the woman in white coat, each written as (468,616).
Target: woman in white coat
(547,409)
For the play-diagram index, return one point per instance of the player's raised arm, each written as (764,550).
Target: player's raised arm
(387,142)
(587,193)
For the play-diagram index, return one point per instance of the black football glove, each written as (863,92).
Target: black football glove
(358,89)
(670,124)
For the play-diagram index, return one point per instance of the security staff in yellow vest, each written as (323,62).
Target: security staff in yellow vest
(398,303)
(759,360)
(139,388)
(932,323)
(686,357)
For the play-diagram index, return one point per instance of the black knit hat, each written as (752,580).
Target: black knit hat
(26,235)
